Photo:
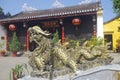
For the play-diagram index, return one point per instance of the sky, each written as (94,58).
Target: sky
(16,6)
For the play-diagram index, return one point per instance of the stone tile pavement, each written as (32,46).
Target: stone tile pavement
(6,63)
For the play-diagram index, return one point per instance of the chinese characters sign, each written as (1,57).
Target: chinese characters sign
(50,24)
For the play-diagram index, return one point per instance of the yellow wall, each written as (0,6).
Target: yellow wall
(112,27)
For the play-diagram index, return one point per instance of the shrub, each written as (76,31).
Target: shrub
(15,44)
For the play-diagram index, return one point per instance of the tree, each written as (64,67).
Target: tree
(8,14)
(116,6)
(1,10)
(3,15)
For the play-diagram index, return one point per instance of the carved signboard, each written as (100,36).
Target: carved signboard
(50,24)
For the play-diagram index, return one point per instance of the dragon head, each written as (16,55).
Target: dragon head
(38,30)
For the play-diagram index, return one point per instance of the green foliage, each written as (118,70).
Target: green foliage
(1,10)
(116,6)
(15,44)
(3,15)
(74,43)
(7,14)
(55,37)
(95,42)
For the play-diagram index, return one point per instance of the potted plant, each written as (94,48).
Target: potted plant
(2,52)
(15,45)
(18,71)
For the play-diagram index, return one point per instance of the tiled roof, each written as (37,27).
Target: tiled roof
(49,13)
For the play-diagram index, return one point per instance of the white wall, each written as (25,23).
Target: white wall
(2,41)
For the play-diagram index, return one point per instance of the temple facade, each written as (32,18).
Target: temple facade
(74,22)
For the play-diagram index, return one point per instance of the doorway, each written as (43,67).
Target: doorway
(108,38)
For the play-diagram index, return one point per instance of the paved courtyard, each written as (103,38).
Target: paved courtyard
(6,63)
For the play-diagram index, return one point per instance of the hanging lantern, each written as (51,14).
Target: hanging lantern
(12,27)
(76,21)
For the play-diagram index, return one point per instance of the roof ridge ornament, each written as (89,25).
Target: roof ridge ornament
(57,4)
(85,2)
(89,1)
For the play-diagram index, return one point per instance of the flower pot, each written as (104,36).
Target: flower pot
(14,53)
(14,76)
(2,54)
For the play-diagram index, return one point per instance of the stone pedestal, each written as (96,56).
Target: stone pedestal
(108,72)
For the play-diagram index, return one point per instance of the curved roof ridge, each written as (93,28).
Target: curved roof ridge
(54,12)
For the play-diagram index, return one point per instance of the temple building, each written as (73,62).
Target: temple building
(73,22)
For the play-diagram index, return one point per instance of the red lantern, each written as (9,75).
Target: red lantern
(12,27)
(76,21)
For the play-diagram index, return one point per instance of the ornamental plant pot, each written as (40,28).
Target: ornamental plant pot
(14,53)
(14,75)
(2,52)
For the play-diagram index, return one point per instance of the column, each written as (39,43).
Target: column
(94,25)
(63,35)
(6,41)
(27,41)
(100,23)
(62,32)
